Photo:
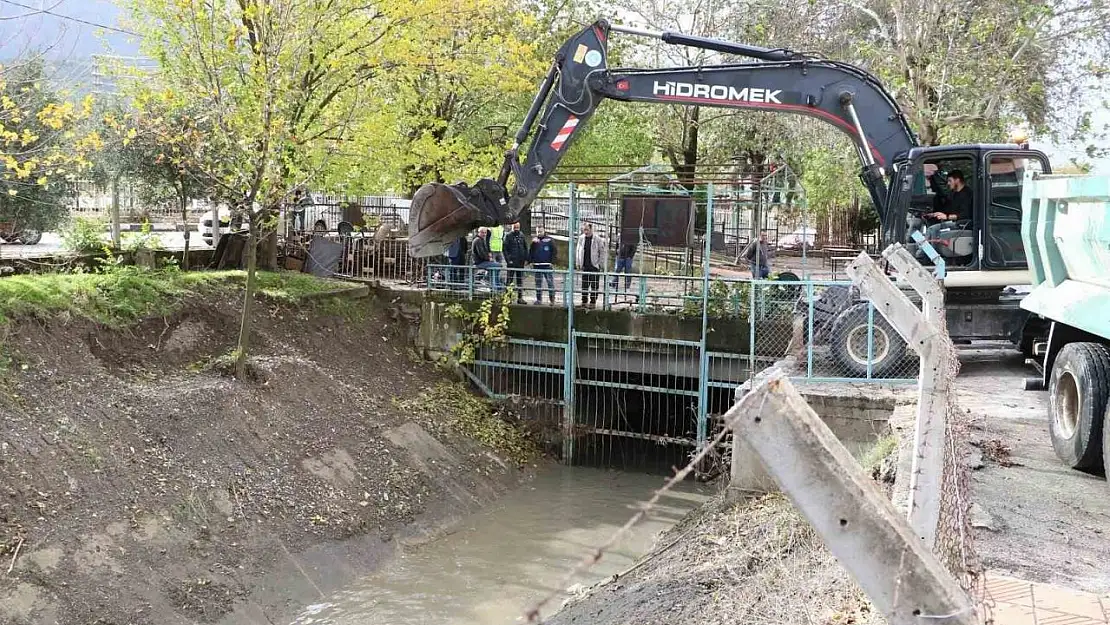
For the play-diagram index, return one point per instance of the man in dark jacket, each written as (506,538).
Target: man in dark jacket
(542,255)
(484,260)
(516,256)
(758,254)
(624,263)
(456,254)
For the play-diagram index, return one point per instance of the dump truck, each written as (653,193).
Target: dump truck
(1066,231)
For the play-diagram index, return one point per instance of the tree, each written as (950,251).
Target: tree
(42,146)
(277,82)
(156,156)
(974,68)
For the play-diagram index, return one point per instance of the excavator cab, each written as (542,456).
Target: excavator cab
(990,239)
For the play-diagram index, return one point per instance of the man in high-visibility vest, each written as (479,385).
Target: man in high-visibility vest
(497,244)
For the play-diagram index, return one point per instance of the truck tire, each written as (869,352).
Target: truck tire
(1078,390)
(1105,443)
(848,339)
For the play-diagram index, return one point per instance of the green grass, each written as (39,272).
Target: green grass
(874,456)
(128,294)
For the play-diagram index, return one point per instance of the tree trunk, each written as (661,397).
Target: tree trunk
(248,305)
(687,172)
(267,220)
(185,221)
(115,211)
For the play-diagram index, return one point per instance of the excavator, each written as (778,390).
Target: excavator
(984,257)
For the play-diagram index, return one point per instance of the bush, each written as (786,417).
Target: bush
(84,236)
(144,240)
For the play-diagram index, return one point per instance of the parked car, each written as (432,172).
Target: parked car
(205,224)
(805,236)
(321,217)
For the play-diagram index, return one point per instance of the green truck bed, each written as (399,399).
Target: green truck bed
(1066,230)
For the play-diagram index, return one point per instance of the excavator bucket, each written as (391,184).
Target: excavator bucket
(439,214)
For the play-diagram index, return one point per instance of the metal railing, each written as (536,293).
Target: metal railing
(689,342)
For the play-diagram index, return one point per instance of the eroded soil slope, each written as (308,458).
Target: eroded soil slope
(139,484)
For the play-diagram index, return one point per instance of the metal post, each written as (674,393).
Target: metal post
(805,233)
(703,373)
(470,282)
(605,288)
(751,330)
(870,335)
(568,352)
(809,341)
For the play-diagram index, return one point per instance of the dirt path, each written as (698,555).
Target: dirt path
(1036,520)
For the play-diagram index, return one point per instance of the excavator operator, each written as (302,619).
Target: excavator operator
(954,201)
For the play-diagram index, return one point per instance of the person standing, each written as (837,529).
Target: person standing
(456,254)
(591,255)
(497,244)
(758,254)
(516,256)
(301,202)
(542,254)
(484,260)
(624,264)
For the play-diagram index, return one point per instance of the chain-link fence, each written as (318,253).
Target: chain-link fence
(823,325)
(954,536)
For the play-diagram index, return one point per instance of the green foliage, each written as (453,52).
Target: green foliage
(831,178)
(879,452)
(473,417)
(39,147)
(122,294)
(726,300)
(146,240)
(485,326)
(291,286)
(84,235)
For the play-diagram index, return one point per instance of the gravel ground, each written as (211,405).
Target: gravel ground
(1034,519)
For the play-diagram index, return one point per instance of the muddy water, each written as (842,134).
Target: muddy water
(498,560)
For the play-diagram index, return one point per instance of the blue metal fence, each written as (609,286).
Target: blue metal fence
(660,390)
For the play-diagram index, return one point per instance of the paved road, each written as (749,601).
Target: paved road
(51,243)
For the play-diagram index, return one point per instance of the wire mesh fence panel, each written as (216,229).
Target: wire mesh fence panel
(367,258)
(836,336)
(520,368)
(636,401)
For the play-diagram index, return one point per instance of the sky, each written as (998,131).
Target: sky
(60,26)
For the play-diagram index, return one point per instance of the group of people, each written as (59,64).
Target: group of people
(493,249)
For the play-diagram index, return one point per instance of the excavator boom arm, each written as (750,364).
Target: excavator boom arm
(843,95)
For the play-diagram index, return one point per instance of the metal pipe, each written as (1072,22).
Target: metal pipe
(571,346)
(865,148)
(639,32)
(703,349)
(728,47)
(705,43)
(526,125)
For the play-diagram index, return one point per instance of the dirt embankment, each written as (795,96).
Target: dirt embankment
(139,485)
(757,561)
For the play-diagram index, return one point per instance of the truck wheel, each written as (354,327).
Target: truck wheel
(1106,443)
(849,343)
(1078,390)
